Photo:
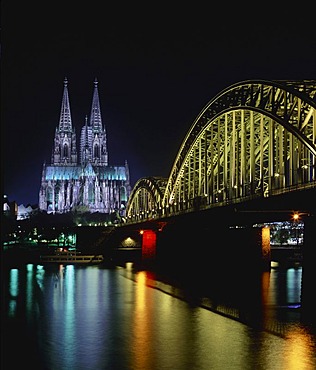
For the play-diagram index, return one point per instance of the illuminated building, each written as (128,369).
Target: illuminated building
(85,180)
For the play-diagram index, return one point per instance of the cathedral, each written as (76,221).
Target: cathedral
(83,181)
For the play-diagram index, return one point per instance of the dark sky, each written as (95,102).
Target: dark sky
(157,68)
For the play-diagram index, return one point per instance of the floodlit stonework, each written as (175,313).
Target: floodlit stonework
(83,181)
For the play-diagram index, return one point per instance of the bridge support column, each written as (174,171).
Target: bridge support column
(255,246)
(149,244)
(265,248)
(309,270)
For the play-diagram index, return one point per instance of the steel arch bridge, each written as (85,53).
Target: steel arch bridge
(256,138)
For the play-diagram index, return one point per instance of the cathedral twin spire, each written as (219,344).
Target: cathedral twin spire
(83,180)
(65,123)
(93,146)
(95,117)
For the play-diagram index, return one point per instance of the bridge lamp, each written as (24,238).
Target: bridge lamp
(296,216)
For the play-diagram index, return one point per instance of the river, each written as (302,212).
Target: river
(67,317)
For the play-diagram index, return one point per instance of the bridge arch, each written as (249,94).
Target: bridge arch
(145,200)
(255,138)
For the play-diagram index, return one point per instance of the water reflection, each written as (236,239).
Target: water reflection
(299,347)
(97,318)
(14,291)
(143,319)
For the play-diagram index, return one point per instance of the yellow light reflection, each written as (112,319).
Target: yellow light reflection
(140,291)
(142,328)
(129,266)
(266,248)
(298,353)
(265,284)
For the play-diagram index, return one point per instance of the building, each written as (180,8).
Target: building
(83,180)
(10,209)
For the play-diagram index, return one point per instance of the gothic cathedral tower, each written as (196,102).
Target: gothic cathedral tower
(91,185)
(65,151)
(93,135)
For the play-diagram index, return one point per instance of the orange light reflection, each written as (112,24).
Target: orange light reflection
(142,328)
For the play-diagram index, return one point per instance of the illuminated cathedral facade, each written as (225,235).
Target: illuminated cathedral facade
(83,180)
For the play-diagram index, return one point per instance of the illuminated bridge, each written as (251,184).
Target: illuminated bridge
(248,159)
(254,140)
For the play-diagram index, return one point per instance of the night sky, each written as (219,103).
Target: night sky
(157,68)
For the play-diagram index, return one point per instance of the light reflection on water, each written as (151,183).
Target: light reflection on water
(91,317)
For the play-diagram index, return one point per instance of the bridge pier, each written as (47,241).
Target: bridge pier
(264,242)
(149,244)
(191,244)
(185,245)
(253,248)
(309,270)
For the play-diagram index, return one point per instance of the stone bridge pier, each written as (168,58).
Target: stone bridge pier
(180,246)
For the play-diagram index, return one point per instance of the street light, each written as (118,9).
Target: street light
(296,216)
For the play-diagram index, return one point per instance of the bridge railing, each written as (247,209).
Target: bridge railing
(203,203)
(296,187)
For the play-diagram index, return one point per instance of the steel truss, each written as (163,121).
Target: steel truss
(255,138)
(146,198)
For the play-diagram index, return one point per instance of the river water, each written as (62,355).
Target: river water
(98,317)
